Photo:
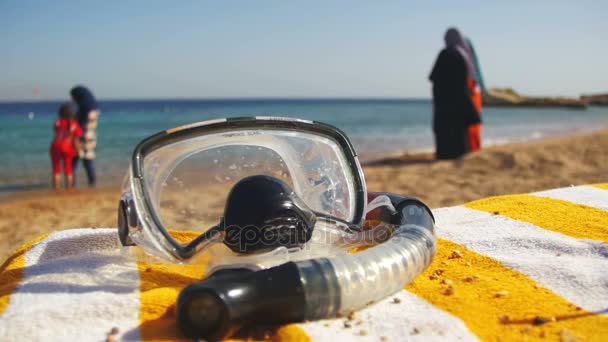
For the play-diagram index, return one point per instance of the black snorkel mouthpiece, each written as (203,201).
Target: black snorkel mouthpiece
(217,307)
(263,213)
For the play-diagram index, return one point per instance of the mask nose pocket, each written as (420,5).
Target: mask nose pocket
(263,213)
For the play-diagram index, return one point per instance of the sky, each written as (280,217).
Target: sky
(305,49)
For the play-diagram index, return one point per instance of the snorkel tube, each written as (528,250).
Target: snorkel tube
(229,299)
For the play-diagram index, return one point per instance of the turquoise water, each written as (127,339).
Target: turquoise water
(376,127)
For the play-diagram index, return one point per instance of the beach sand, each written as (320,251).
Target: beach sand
(497,170)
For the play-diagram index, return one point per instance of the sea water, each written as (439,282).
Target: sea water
(377,128)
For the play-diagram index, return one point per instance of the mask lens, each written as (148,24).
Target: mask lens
(193,196)
(188,181)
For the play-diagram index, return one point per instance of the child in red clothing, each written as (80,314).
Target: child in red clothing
(65,145)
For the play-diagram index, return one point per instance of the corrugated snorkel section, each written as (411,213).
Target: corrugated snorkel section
(343,284)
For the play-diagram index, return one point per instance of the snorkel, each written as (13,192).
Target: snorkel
(308,290)
(294,208)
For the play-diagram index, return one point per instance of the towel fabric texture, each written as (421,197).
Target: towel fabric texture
(508,268)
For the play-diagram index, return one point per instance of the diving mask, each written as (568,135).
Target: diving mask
(242,186)
(275,205)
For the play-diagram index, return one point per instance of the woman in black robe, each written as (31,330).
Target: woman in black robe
(453,109)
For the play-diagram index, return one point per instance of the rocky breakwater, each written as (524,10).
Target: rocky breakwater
(595,99)
(507,97)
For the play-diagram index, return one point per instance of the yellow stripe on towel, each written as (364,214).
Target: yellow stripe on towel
(498,303)
(575,220)
(11,272)
(603,186)
(160,286)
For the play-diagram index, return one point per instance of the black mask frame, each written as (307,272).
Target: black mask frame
(129,217)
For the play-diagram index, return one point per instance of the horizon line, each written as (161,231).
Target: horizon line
(246,98)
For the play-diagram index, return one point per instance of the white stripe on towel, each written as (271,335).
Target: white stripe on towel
(88,285)
(395,322)
(586,195)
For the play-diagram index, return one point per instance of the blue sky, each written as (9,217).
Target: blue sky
(229,48)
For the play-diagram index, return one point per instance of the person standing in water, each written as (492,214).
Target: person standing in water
(87,115)
(65,145)
(454,110)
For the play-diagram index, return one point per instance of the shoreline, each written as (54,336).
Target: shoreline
(497,170)
(425,152)
(9,191)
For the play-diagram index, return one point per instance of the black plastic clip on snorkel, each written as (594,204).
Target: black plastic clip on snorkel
(229,299)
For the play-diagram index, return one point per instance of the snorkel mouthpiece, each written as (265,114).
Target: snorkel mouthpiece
(216,308)
(229,299)
(263,213)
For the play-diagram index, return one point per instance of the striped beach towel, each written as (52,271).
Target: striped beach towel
(508,268)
